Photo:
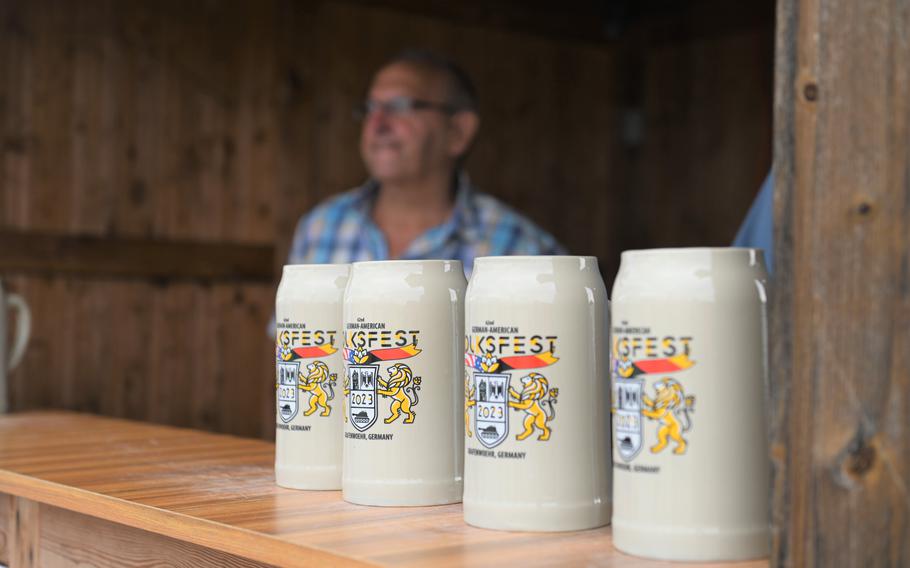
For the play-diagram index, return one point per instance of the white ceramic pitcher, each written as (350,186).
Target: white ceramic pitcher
(9,359)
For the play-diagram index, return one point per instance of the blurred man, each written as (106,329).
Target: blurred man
(419,121)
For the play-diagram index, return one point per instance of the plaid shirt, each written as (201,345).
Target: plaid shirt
(340,230)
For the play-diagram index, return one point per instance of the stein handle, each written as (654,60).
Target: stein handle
(23,329)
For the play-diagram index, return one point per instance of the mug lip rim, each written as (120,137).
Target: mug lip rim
(302,266)
(494,257)
(680,250)
(407,261)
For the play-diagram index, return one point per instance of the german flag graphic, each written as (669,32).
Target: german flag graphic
(287,354)
(390,354)
(312,352)
(628,369)
(518,362)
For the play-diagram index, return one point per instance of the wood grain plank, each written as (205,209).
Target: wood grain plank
(6,526)
(92,136)
(69,540)
(50,157)
(840,449)
(16,84)
(160,259)
(299,78)
(254,130)
(88,310)
(25,551)
(246,361)
(218,492)
(587,22)
(173,342)
(128,361)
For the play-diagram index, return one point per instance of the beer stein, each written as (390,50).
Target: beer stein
(307,365)
(403,441)
(537,416)
(8,362)
(689,368)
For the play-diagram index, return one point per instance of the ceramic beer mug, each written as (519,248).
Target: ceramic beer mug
(689,371)
(307,365)
(9,359)
(403,442)
(537,431)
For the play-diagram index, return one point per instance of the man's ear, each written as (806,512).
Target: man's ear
(464,125)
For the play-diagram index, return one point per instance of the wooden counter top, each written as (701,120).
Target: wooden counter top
(218,493)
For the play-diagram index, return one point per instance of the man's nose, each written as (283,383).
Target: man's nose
(379,121)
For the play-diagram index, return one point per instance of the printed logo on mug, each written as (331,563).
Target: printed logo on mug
(689,367)
(495,354)
(637,355)
(365,348)
(307,366)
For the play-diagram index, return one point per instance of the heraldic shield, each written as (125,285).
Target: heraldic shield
(491,410)
(287,389)
(627,423)
(362,403)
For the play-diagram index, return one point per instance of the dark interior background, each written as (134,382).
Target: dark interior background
(613,124)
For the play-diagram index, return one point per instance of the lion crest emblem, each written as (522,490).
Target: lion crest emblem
(317,381)
(538,401)
(401,386)
(670,407)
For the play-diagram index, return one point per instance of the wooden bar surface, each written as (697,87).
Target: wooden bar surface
(219,492)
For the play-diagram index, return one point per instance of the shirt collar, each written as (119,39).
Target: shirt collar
(463,223)
(365,197)
(465,217)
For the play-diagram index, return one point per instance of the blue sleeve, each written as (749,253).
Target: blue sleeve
(300,248)
(757,230)
(300,244)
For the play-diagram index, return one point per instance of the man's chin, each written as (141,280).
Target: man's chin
(387,174)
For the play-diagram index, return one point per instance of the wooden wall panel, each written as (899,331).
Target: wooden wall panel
(152,120)
(155,120)
(298,82)
(247,390)
(225,121)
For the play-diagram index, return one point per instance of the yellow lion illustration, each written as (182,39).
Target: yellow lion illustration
(531,399)
(315,383)
(402,386)
(468,403)
(671,407)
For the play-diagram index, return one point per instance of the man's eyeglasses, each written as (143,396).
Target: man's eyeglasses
(400,106)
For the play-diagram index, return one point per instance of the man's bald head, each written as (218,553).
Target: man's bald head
(459,89)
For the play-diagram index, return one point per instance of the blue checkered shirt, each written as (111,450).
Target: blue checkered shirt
(341,230)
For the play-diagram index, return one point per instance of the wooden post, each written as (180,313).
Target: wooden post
(23,546)
(840,361)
